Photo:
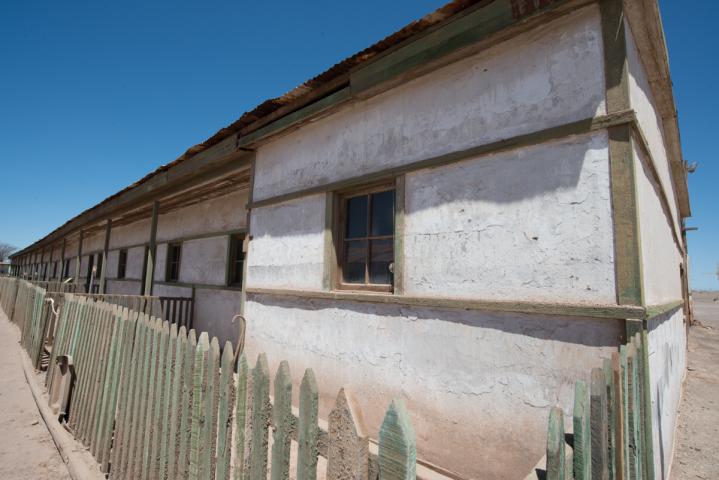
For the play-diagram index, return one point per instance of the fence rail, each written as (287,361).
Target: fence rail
(178,310)
(154,400)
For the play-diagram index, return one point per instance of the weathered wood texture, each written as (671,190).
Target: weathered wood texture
(612,428)
(155,401)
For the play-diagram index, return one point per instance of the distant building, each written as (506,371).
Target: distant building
(4,268)
(468,214)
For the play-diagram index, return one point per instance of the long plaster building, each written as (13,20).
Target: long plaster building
(468,214)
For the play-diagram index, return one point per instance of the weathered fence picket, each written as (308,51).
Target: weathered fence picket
(151,400)
(555,445)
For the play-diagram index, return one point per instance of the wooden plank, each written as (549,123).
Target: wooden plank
(599,427)
(159,414)
(99,374)
(260,418)
(123,447)
(633,415)
(582,456)
(151,403)
(308,429)
(225,413)
(611,417)
(199,387)
(564,309)
(619,453)
(109,384)
(283,422)
(210,407)
(647,411)
(240,418)
(178,374)
(397,445)
(348,444)
(555,445)
(183,458)
(623,369)
(167,432)
(140,433)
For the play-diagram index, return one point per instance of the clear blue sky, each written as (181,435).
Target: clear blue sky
(93,95)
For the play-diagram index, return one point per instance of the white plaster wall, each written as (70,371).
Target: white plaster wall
(204,261)
(124,287)
(642,101)
(94,242)
(667,367)
(135,258)
(541,79)
(113,257)
(661,258)
(134,233)
(287,247)
(529,224)
(214,310)
(215,215)
(161,261)
(469,378)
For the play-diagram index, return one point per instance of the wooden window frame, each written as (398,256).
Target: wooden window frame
(235,240)
(167,262)
(121,266)
(340,224)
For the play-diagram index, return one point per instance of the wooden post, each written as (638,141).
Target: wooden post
(49,264)
(106,248)
(282,421)
(152,248)
(79,258)
(348,449)
(397,445)
(308,429)
(599,424)
(555,445)
(62,259)
(581,421)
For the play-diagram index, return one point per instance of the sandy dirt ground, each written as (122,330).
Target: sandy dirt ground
(26,448)
(696,453)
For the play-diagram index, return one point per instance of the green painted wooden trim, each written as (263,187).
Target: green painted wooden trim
(627,246)
(399,223)
(564,309)
(581,423)
(308,429)
(616,70)
(152,251)
(656,310)
(534,138)
(329,270)
(397,444)
(647,411)
(555,445)
(596,459)
(320,106)
(283,423)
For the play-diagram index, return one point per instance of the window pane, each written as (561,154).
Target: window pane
(382,254)
(383,213)
(354,262)
(356,217)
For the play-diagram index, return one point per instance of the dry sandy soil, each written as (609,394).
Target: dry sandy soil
(26,448)
(696,454)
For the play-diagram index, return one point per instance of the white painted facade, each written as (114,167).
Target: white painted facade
(531,224)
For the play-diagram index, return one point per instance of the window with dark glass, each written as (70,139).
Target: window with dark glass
(236,261)
(66,272)
(367,246)
(121,263)
(172,273)
(54,269)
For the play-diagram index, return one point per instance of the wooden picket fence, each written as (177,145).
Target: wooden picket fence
(612,422)
(173,309)
(152,400)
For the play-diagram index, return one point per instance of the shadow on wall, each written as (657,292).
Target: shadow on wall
(575,330)
(552,170)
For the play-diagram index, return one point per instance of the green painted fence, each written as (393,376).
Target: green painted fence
(154,401)
(612,423)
